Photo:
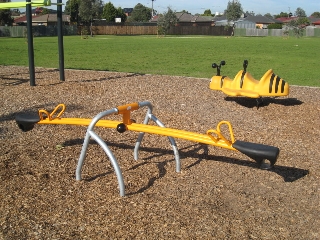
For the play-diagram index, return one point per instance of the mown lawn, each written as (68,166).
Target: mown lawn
(294,59)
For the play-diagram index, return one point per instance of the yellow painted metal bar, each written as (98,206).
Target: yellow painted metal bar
(212,137)
(44,114)
(219,141)
(80,122)
(125,110)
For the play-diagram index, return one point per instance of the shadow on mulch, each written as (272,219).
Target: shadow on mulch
(289,174)
(263,102)
(109,78)
(18,81)
(14,81)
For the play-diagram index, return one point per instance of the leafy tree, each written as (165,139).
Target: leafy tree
(282,14)
(45,11)
(298,25)
(72,9)
(268,15)
(90,9)
(15,12)
(207,12)
(110,13)
(121,14)
(233,11)
(5,15)
(250,13)
(85,8)
(140,13)
(300,12)
(97,9)
(166,20)
(316,14)
(275,26)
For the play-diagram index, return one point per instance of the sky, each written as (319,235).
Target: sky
(199,6)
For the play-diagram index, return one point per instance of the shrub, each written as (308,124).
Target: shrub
(275,26)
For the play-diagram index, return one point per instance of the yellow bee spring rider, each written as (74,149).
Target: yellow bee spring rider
(270,85)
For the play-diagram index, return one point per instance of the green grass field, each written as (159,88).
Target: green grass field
(294,59)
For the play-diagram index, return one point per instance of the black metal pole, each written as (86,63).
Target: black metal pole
(60,40)
(30,43)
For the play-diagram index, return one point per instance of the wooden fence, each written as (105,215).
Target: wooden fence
(125,30)
(19,31)
(200,30)
(153,30)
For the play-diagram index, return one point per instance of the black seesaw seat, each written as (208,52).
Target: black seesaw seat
(258,152)
(26,121)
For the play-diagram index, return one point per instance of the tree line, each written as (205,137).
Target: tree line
(84,12)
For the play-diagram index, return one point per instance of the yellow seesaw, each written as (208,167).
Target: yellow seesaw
(265,155)
(243,84)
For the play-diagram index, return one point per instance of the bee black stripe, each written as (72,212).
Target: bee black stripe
(221,81)
(282,85)
(277,83)
(242,78)
(271,82)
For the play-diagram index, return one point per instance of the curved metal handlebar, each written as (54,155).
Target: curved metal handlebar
(219,136)
(45,114)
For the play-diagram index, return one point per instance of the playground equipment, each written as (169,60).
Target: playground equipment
(28,4)
(34,3)
(270,85)
(266,156)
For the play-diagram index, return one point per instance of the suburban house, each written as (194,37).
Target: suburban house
(187,19)
(46,20)
(262,22)
(313,21)
(259,21)
(128,11)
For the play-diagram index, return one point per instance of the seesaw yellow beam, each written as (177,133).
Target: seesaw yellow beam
(164,131)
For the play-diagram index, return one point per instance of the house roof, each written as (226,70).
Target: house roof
(22,19)
(154,18)
(203,19)
(312,20)
(184,17)
(128,10)
(43,18)
(286,19)
(261,19)
(316,23)
(187,17)
(51,18)
(220,18)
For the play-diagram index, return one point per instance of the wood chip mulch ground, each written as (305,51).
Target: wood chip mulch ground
(219,194)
